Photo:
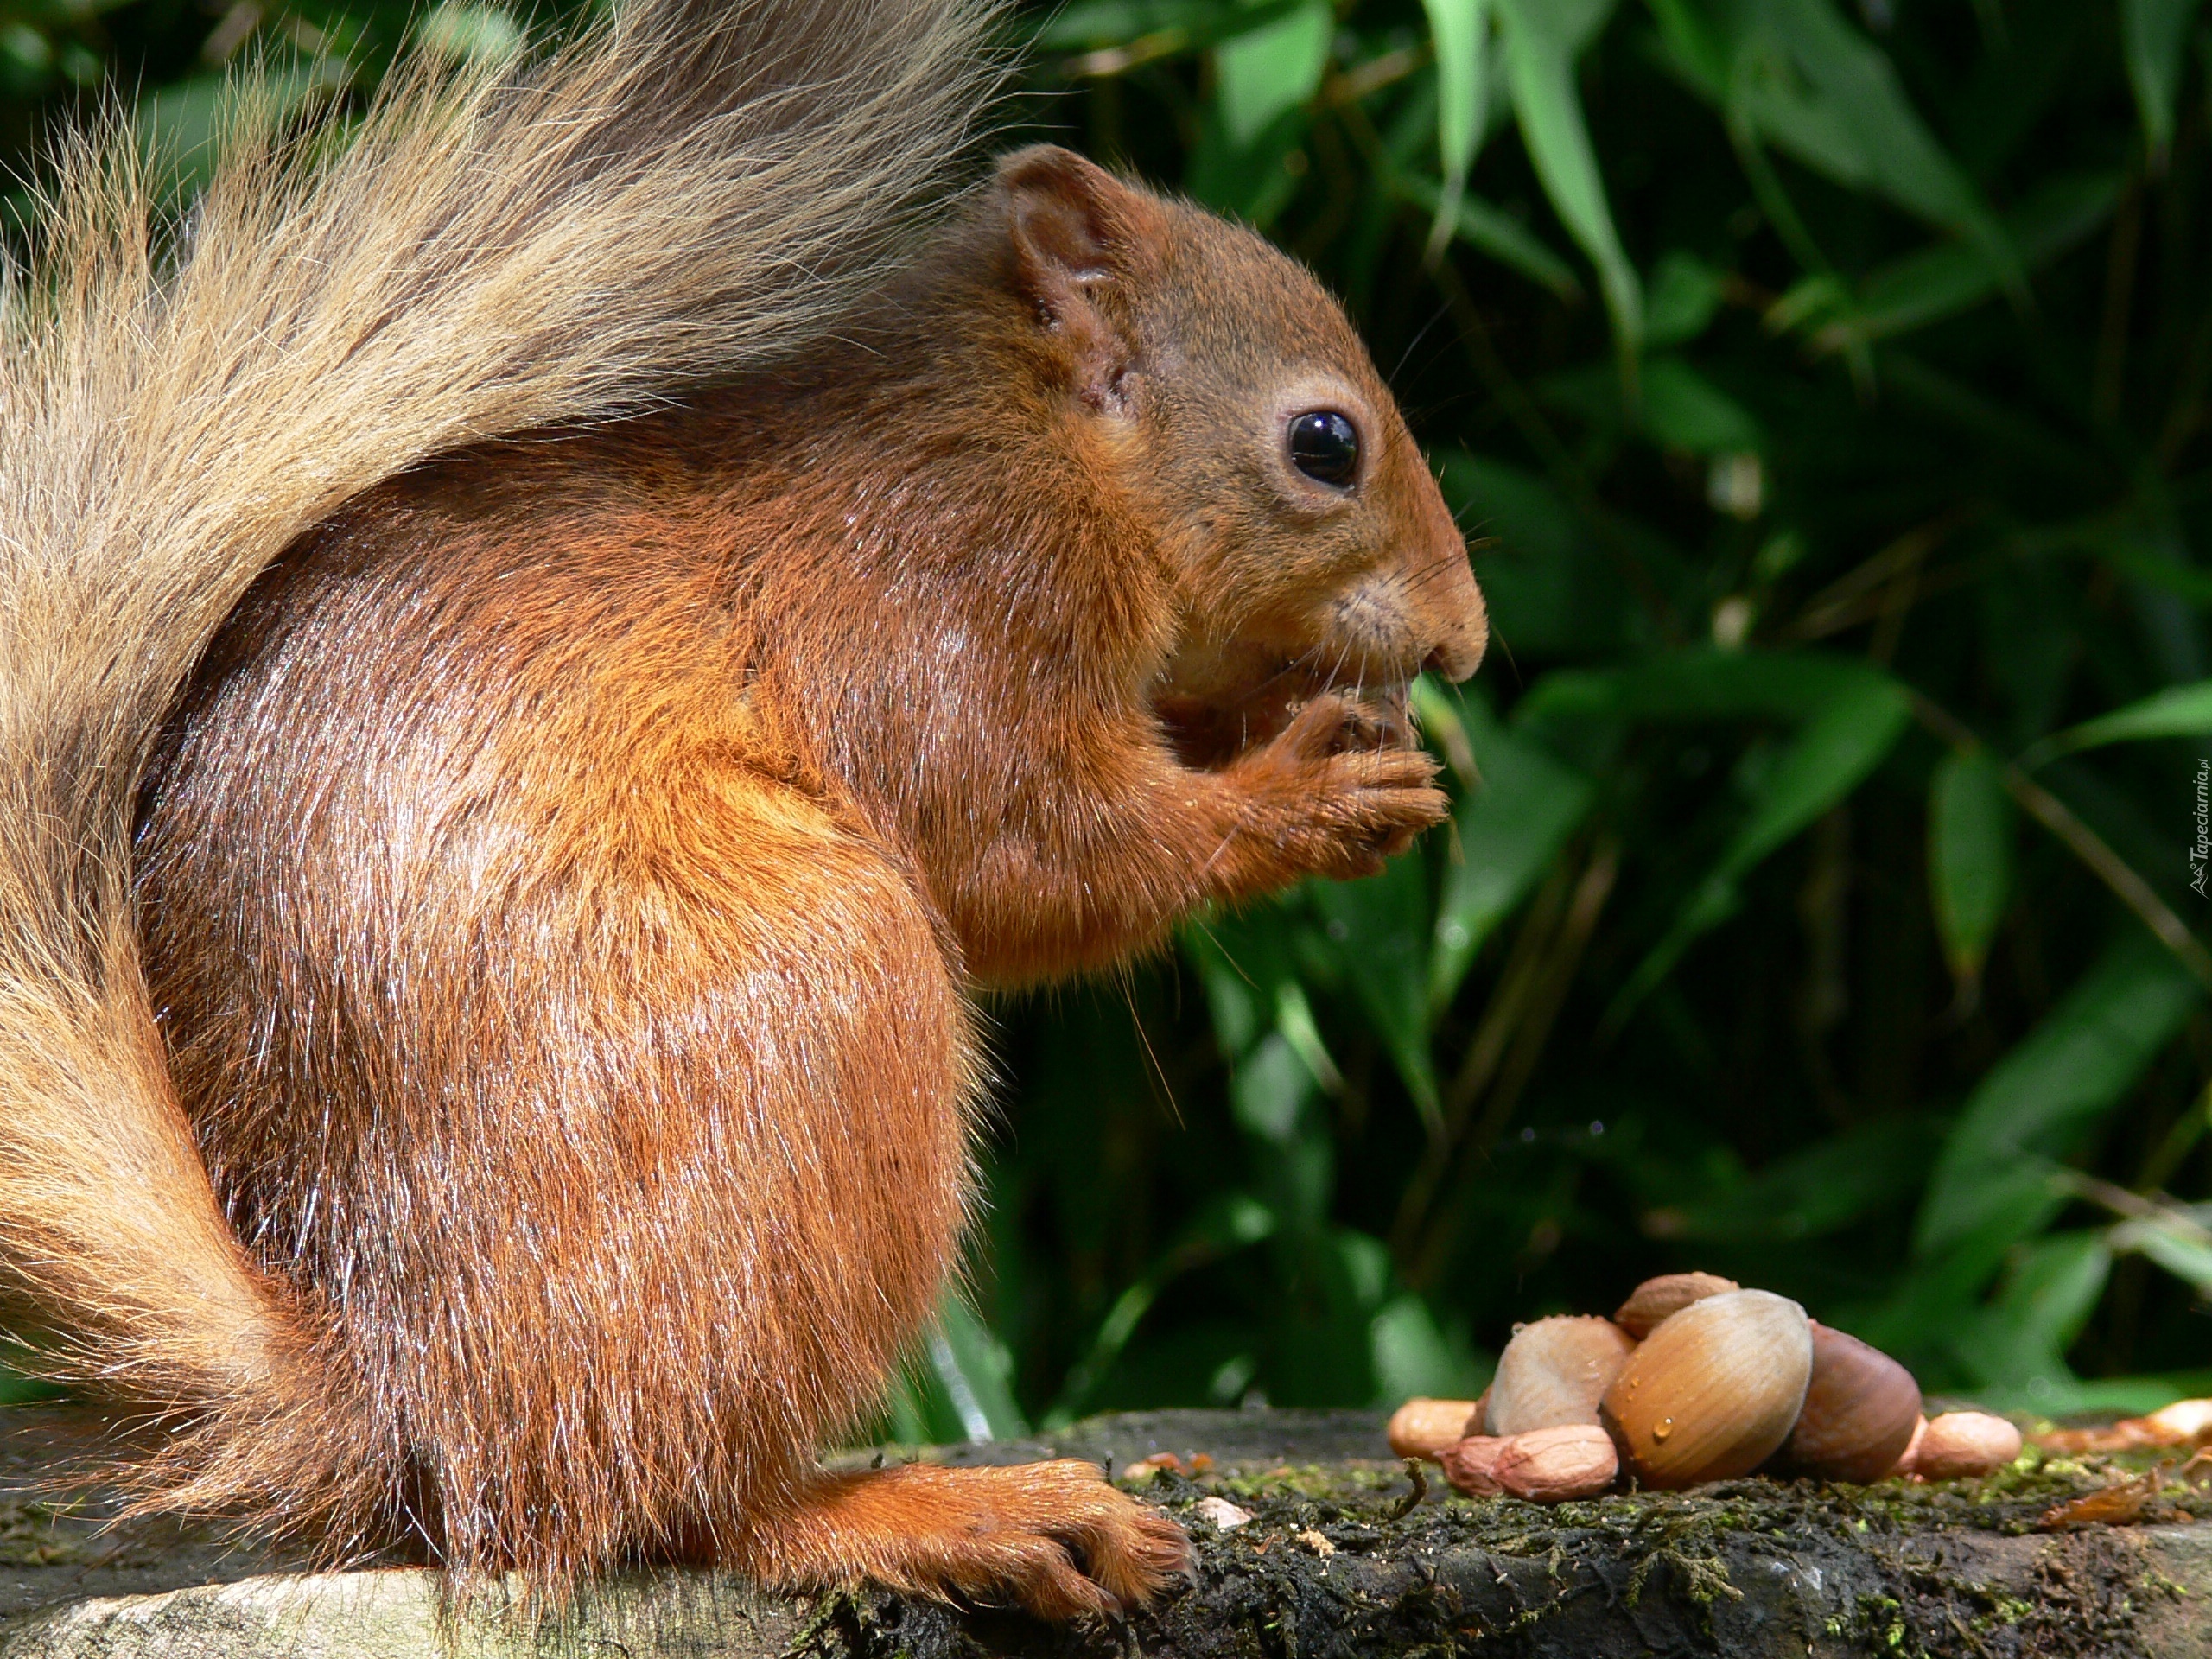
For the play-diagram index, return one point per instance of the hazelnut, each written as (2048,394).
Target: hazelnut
(1715,1391)
(1555,1371)
(1861,1409)
(1655,1299)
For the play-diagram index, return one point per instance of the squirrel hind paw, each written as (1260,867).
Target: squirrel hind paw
(1073,1544)
(1053,1539)
(1134,1552)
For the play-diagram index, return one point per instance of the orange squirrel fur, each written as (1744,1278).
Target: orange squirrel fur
(563,863)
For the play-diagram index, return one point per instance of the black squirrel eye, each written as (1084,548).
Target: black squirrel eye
(1325,446)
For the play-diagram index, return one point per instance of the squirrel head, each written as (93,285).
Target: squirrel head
(1224,400)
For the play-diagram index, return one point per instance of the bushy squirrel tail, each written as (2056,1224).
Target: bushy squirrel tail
(696,187)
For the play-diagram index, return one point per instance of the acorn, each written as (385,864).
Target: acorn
(1470,1465)
(1861,1408)
(1960,1443)
(1554,1372)
(1713,1390)
(1422,1428)
(1655,1299)
(1550,1466)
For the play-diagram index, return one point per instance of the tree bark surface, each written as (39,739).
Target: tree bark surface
(1336,1558)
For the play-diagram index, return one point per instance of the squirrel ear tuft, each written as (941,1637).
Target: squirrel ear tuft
(1073,228)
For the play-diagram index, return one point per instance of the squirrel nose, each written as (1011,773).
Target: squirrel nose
(1448,604)
(1460,618)
(1455,659)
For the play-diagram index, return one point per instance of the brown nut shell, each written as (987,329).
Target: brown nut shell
(1960,1443)
(1550,1466)
(1422,1428)
(1555,1371)
(1470,1465)
(1670,1292)
(2185,1422)
(1903,1464)
(1861,1408)
(1715,1391)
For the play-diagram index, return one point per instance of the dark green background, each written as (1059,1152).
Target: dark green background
(1824,385)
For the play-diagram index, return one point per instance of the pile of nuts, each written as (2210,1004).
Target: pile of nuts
(1693,1379)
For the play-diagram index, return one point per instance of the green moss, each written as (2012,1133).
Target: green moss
(1679,1547)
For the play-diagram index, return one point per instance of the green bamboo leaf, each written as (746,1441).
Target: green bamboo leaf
(1685,293)
(1510,829)
(1460,30)
(1969,857)
(1495,231)
(1230,1223)
(1809,1194)
(975,1371)
(1794,74)
(2182,1247)
(1378,931)
(464,32)
(1681,409)
(1707,684)
(1949,278)
(1265,71)
(1837,747)
(1244,961)
(1856,83)
(1411,1354)
(2020,1339)
(1294,1021)
(2154,40)
(1764,95)
(2142,557)
(2179,711)
(1113,23)
(1268,1089)
(1117,22)
(1993,1184)
(1542,40)
(1691,45)
(2179,1249)
(19,1390)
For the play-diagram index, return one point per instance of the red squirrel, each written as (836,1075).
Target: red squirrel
(529,727)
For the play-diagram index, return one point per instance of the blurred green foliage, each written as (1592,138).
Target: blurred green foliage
(1825,387)
(1824,383)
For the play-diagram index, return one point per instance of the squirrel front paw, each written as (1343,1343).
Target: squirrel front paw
(1336,793)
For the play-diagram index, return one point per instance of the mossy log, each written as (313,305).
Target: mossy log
(1337,1559)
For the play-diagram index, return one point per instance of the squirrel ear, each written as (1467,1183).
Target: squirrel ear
(1073,229)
